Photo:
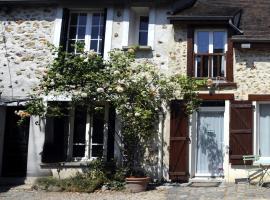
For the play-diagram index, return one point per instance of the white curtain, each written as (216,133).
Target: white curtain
(264,130)
(210,143)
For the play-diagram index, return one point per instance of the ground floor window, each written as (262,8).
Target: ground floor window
(264,130)
(78,135)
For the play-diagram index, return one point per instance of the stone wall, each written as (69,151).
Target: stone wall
(251,72)
(24,53)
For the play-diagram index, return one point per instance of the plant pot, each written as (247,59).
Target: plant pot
(134,184)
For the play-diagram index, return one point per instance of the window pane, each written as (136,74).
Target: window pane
(79,125)
(94,32)
(82,19)
(198,58)
(74,19)
(101,31)
(81,32)
(78,151)
(100,47)
(203,41)
(143,38)
(70,46)
(144,21)
(202,66)
(218,66)
(97,151)
(96,19)
(264,130)
(72,32)
(93,45)
(98,127)
(219,41)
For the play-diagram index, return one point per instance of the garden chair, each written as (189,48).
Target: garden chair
(252,172)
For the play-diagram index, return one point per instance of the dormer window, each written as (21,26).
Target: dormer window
(210,50)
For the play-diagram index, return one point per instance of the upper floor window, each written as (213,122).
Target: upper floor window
(86,28)
(138,26)
(143,30)
(210,50)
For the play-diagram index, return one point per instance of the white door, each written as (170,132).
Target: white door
(210,137)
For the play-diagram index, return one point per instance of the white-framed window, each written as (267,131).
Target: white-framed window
(138,26)
(263,129)
(88,133)
(210,48)
(78,135)
(86,28)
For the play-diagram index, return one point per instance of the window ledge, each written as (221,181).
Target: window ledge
(222,85)
(81,164)
(140,48)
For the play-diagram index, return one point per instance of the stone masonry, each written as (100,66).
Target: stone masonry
(25,33)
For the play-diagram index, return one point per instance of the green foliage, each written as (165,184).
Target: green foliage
(92,179)
(138,91)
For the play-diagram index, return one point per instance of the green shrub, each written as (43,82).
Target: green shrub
(98,174)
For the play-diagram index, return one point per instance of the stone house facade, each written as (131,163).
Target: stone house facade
(226,42)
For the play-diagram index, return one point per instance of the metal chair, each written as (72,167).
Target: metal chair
(256,172)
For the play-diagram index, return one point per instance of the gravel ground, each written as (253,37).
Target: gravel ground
(225,191)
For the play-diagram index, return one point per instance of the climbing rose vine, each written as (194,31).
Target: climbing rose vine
(138,91)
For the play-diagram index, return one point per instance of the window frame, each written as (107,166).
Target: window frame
(88,26)
(143,31)
(229,81)
(88,136)
(257,127)
(210,49)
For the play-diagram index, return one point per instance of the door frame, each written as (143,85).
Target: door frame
(194,133)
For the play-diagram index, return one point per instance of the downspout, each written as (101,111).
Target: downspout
(235,27)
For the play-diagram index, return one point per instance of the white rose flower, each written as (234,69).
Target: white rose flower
(119,89)
(116,72)
(100,90)
(137,114)
(83,95)
(76,93)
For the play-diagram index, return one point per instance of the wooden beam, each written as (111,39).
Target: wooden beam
(259,97)
(216,96)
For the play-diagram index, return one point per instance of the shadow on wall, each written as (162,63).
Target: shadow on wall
(251,57)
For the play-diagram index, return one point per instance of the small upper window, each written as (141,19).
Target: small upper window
(138,26)
(86,28)
(143,31)
(210,53)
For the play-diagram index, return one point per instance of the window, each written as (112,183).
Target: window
(143,31)
(86,28)
(88,133)
(78,135)
(264,130)
(210,49)
(138,26)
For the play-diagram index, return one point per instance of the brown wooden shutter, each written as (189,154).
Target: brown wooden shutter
(179,141)
(64,28)
(190,52)
(241,125)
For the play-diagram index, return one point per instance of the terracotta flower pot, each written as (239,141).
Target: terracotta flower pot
(134,184)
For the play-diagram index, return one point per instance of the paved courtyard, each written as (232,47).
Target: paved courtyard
(228,191)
